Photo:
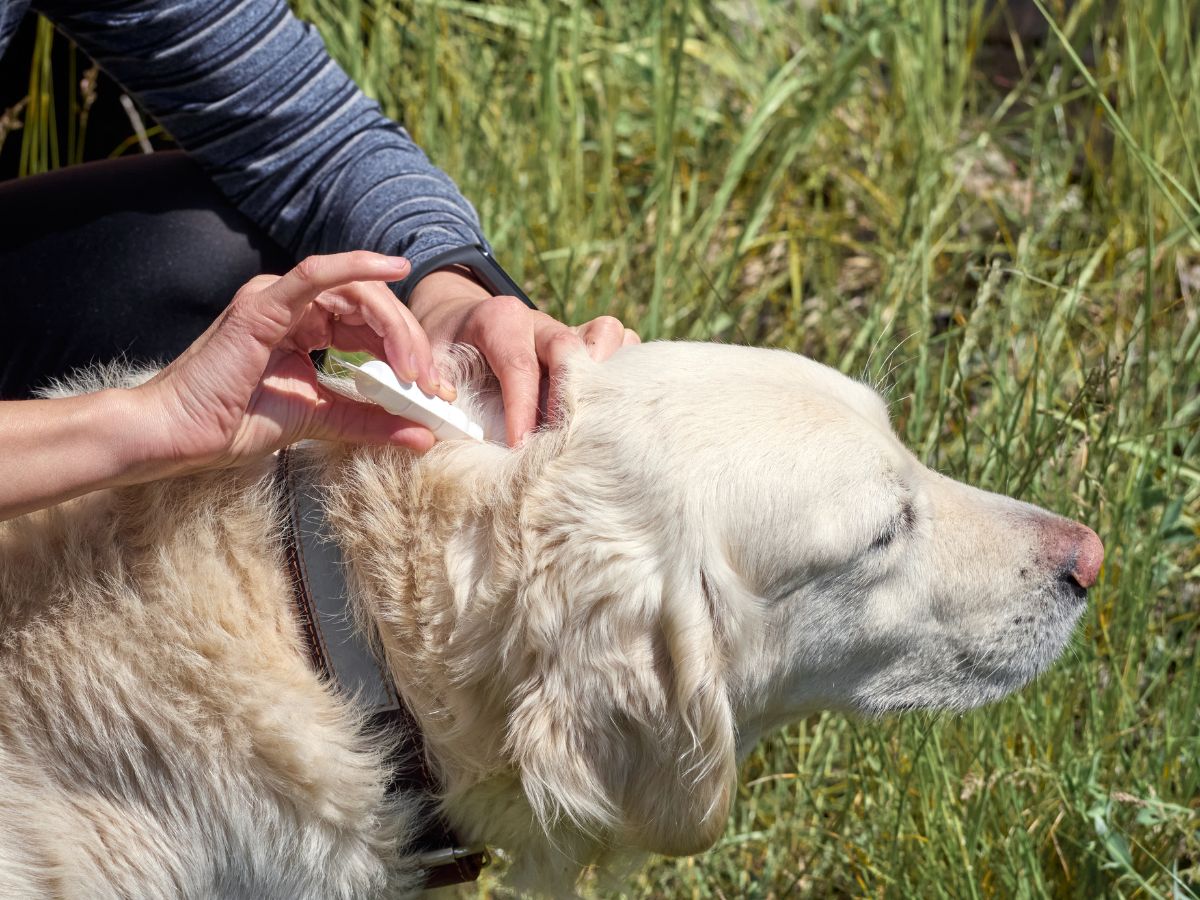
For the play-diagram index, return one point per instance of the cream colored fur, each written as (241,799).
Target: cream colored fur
(591,629)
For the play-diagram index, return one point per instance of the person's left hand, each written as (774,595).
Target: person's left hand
(518,342)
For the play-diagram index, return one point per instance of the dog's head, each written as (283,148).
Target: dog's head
(716,540)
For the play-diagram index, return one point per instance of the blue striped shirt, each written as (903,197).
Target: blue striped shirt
(250,92)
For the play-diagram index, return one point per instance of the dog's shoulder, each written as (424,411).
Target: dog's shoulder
(149,659)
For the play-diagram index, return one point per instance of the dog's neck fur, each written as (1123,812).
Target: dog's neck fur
(412,530)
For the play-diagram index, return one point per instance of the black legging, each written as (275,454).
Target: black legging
(126,259)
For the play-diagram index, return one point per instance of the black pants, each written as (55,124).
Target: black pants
(126,259)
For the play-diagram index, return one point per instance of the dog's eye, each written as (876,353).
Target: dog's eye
(901,523)
(886,537)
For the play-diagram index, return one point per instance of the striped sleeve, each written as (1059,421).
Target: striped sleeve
(10,18)
(250,92)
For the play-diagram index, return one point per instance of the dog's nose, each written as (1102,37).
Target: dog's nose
(1080,553)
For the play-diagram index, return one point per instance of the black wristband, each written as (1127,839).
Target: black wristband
(478,260)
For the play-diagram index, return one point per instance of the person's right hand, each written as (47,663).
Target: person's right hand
(527,349)
(247,386)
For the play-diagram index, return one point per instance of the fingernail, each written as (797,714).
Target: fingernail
(410,373)
(435,379)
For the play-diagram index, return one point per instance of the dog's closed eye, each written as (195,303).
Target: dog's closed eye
(885,538)
(901,523)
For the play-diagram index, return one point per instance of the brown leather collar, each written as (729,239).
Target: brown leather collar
(340,653)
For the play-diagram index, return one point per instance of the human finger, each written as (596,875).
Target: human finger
(556,344)
(631,337)
(502,328)
(603,336)
(258,283)
(339,418)
(387,316)
(357,339)
(402,342)
(280,304)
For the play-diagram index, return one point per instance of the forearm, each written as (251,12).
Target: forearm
(252,95)
(53,450)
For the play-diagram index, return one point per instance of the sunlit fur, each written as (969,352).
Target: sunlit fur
(708,542)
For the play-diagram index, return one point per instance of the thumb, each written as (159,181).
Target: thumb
(339,418)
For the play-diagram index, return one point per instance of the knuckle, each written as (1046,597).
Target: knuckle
(506,305)
(251,289)
(521,362)
(608,324)
(564,341)
(359,259)
(257,283)
(308,268)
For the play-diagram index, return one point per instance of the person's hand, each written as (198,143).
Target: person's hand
(520,344)
(247,386)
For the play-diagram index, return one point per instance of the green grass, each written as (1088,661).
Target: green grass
(1017,258)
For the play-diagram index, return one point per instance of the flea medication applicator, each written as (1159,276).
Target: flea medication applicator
(376,381)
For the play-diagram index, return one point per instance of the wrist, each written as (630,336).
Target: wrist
(128,430)
(441,299)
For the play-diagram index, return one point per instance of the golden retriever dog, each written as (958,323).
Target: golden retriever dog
(708,542)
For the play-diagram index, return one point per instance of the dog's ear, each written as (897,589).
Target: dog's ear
(677,793)
(620,725)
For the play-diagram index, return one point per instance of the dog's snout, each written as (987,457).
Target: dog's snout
(1079,552)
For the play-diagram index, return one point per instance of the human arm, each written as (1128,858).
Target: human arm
(52,450)
(245,388)
(250,92)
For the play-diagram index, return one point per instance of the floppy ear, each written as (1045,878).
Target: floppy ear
(621,726)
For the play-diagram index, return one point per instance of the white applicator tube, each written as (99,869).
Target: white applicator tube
(377,382)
